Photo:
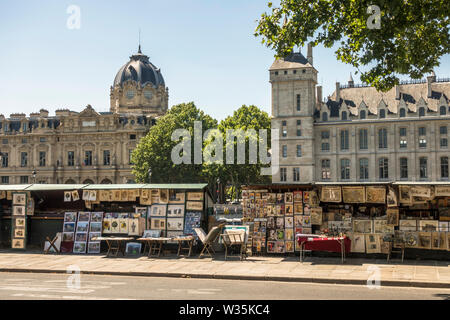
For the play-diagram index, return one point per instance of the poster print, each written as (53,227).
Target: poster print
(289,245)
(96,216)
(442,191)
(164,195)
(306,221)
(19,210)
(424,240)
(68,236)
(115,225)
(133,227)
(359,243)
(391,199)
(158,223)
(19,233)
(107,225)
(288,234)
(18,243)
(175,224)
(20,222)
(82,226)
(84,216)
(94,247)
(19,199)
(392,217)
(158,210)
(444,226)
(175,211)
(313,199)
(288,197)
(279,247)
(69,227)
(298,196)
(354,194)
(376,195)
(316,216)
(272,198)
(271,246)
(362,226)
(373,243)
(81,237)
(70,217)
(280,223)
(95,227)
(438,241)
(195,196)
(86,195)
(420,191)
(272,235)
(289,210)
(408,225)
(298,221)
(331,194)
(289,222)
(379,226)
(176,197)
(124,195)
(405,196)
(123,224)
(411,239)
(194,205)
(79,247)
(280,198)
(67,196)
(429,225)
(298,208)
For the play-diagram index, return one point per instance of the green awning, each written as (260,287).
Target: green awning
(14,187)
(113,186)
(55,187)
(175,186)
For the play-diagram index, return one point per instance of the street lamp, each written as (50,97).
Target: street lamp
(218,190)
(33,173)
(149,175)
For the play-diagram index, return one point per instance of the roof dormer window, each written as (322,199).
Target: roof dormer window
(344,115)
(382,114)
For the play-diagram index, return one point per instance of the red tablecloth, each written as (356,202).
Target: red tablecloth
(325,244)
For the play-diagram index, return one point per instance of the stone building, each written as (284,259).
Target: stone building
(87,146)
(358,134)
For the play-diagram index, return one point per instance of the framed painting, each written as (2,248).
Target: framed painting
(175,211)
(19,199)
(354,194)
(392,217)
(405,195)
(176,197)
(424,240)
(373,243)
(19,210)
(391,198)
(18,244)
(194,205)
(376,195)
(195,196)
(175,224)
(408,225)
(411,239)
(331,194)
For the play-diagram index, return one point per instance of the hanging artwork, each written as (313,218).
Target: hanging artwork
(158,210)
(175,224)
(391,198)
(411,239)
(19,199)
(376,195)
(288,197)
(408,225)
(288,209)
(438,241)
(331,194)
(313,199)
(358,243)
(429,225)
(392,216)
(442,191)
(316,216)
(362,226)
(194,205)
(195,196)
(67,196)
(298,197)
(354,194)
(175,211)
(298,208)
(373,243)
(405,195)
(75,195)
(424,240)
(86,195)
(420,191)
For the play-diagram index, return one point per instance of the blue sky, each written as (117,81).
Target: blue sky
(205,49)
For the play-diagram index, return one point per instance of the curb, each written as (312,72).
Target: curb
(387,283)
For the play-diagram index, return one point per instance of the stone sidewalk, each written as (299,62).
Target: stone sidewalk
(433,274)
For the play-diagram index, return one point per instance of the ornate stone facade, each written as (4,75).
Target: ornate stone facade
(358,134)
(81,147)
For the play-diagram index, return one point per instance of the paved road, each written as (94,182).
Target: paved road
(54,286)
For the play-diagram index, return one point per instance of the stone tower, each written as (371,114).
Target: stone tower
(294,82)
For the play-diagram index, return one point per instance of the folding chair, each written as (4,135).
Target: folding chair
(52,243)
(235,238)
(208,239)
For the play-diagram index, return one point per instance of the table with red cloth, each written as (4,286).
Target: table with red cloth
(330,244)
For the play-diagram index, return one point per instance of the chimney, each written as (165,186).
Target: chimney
(397,92)
(319,94)
(310,54)
(338,91)
(430,79)
(43,113)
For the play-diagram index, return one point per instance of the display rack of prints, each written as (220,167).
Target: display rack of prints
(95,230)
(81,232)
(19,220)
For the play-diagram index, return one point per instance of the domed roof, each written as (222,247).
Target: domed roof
(141,70)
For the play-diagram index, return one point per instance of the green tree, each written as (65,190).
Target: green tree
(412,37)
(155,149)
(245,118)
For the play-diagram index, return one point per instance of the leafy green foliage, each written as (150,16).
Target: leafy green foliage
(154,150)
(414,34)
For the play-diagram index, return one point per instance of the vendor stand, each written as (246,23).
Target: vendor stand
(329,244)
(115,244)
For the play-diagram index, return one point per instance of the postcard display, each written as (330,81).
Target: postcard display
(278,217)
(78,231)
(19,220)
(172,215)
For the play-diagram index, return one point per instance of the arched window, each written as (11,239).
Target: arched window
(324,116)
(70,181)
(421,111)
(442,111)
(88,181)
(362,114)
(382,114)
(402,113)
(344,115)
(106,181)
